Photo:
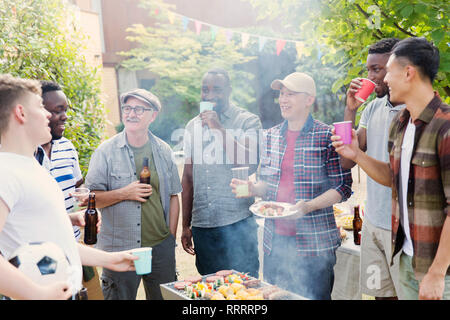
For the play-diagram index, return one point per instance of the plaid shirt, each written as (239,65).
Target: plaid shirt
(428,193)
(316,170)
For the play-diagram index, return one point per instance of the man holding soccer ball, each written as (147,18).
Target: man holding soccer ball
(31,202)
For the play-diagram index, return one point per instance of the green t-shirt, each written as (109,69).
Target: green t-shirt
(154,229)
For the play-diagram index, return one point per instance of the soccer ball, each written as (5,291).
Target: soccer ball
(42,262)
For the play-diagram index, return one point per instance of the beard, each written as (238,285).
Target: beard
(220,106)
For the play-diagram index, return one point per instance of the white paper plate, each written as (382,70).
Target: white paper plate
(255,209)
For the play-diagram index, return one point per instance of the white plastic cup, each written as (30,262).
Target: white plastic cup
(241,173)
(79,194)
(206,105)
(143,265)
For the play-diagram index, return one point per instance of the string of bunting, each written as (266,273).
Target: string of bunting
(245,37)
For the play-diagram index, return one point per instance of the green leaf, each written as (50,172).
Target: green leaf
(406,11)
(337,85)
(437,36)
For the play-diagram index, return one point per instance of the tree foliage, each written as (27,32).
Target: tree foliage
(179,60)
(344,29)
(40,39)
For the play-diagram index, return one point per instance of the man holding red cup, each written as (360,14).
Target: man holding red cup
(373,136)
(417,171)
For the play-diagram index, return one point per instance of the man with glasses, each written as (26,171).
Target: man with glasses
(300,166)
(129,220)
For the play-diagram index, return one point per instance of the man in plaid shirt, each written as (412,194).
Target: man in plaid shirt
(300,166)
(419,148)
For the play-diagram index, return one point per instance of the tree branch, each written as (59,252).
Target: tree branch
(397,25)
(380,34)
(447,90)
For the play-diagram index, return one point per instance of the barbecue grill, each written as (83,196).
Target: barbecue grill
(170,293)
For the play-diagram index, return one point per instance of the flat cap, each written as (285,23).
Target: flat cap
(143,95)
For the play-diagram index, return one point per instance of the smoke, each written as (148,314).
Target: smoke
(206,146)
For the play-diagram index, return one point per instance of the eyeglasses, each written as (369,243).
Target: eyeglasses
(138,110)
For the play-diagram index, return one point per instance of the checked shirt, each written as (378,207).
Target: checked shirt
(316,170)
(428,193)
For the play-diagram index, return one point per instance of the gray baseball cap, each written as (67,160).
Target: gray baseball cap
(143,95)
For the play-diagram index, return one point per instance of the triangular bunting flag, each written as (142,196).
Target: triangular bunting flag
(229,35)
(245,38)
(299,46)
(198,26)
(262,42)
(319,53)
(213,32)
(280,46)
(171,17)
(185,21)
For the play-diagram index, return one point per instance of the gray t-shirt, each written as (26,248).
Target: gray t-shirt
(214,204)
(376,119)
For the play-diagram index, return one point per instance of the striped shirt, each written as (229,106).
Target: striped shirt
(64,167)
(428,186)
(316,170)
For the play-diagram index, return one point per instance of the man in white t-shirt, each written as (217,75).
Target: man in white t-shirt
(31,202)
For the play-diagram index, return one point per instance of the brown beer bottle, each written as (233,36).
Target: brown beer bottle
(144,176)
(91,219)
(357,226)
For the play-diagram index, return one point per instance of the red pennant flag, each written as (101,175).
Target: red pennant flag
(198,26)
(280,46)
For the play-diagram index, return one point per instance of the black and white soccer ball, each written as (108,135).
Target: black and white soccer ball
(43,262)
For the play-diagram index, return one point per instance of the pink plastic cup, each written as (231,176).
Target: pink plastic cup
(366,89)
(344,130)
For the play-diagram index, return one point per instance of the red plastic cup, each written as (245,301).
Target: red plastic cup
(366,89)
(344,130)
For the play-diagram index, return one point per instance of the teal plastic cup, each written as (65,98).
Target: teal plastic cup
(143,265)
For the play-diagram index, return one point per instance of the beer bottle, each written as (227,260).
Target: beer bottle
(357,226)
(144,176)
(91,219)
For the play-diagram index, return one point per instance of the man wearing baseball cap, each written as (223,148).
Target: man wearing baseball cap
(129,220)
(299,166)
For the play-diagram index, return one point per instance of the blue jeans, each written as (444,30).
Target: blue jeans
(233,246)
(309,276)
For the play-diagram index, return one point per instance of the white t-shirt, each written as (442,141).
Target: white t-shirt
(37,211)
(407,146)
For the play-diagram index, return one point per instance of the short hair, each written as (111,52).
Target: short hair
(222,72)
(383,46)
(421,53)
(48,86)
(11,90)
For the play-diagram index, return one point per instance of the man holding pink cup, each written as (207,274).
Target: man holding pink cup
(372,136)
